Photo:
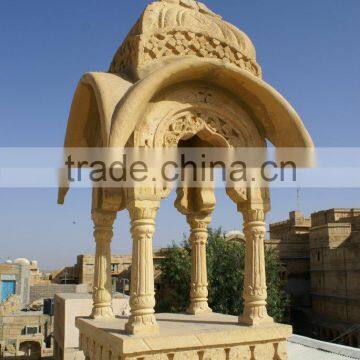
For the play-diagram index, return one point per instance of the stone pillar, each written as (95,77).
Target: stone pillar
(102,287)
(255,292)
(199,284)
(142,294)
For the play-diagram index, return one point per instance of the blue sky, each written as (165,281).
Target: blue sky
(309,51)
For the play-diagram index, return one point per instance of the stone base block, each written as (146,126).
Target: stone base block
(184,337)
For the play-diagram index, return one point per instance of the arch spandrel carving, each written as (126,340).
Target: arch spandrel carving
(188,109)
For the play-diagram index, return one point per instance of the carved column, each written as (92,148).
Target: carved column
(255,292)
(199,282)
(102,287)
(142,294)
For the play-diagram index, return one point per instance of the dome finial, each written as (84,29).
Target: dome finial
(192,4)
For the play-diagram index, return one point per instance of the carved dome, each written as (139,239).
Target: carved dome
(174,28)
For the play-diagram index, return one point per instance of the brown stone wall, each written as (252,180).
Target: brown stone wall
(335,271)
(331,240)
(291,239)
(13,332)
(48,291)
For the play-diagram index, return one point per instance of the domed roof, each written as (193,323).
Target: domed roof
(22,261)
(174,28)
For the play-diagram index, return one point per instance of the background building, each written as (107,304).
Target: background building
(321,257)
(83,272)
(37,277)
(48,291)
(291,239)
(67,308)
(24,329)
(335,275)
(120,269)
(23,333)
(14,280)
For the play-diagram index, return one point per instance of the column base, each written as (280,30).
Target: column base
(197,308)
(255,316)
(105,312)
(142,325)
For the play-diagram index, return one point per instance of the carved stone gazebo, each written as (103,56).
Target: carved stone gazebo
(182,77)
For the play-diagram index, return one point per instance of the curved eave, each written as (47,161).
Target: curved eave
(95,99)
(274,116)
(94,102)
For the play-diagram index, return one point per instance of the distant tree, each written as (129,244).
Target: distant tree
(225,261)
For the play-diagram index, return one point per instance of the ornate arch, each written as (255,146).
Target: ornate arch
(196,108)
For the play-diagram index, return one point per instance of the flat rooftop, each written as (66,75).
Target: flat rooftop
(303,348)
(20,313)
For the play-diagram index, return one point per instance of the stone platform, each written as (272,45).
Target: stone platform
(206,337)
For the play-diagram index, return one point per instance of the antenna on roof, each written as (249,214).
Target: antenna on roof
(298,199)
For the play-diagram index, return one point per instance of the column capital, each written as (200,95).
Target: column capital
(253,214)
(143,209)
(103,225)
(103,218)
(198,221)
